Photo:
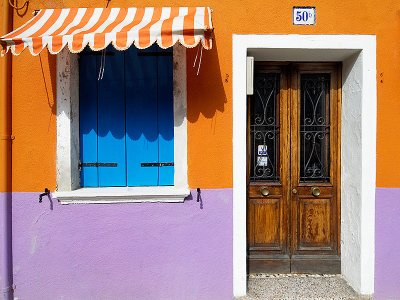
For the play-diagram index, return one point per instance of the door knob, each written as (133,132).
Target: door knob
(315,191)
(264,191)
(294,191)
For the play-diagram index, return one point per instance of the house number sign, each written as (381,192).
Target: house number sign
(303,15)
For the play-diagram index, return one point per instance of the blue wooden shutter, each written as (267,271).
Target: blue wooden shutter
(111,121)
(88,118)
(141,116)
(165,117)
(127,118)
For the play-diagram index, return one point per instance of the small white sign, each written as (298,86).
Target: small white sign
(262,161)
(304,15)
(262,150)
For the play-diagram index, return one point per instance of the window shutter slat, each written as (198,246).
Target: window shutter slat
(88,120)
(141,114)
(165,118)
(111,121)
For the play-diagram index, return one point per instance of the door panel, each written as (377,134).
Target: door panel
(314,230)
(266,229)
(268,183)
(293,203)
(314,164)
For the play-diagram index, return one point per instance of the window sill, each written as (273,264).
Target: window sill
(122,195)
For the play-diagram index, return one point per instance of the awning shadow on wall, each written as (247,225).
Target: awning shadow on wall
(205,92)
(48,65)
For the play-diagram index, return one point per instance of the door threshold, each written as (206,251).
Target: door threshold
(285,275)
(299,287)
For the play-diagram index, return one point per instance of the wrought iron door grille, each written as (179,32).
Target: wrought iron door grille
(314,127)
(264,127)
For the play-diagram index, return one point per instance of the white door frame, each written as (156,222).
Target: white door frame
(358,147)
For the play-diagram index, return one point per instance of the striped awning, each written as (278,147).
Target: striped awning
(122,27)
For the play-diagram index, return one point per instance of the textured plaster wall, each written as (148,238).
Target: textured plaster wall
(351,171)
(210,93)
(94,238)
(67,150)
(124,251)
(387,249)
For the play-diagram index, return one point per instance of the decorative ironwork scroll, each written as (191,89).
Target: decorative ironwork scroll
(314,127)
(264,128)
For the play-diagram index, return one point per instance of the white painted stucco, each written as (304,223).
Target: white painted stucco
(68,189)
(358,152)
(67,121)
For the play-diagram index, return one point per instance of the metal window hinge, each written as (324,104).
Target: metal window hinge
(162,164)
(96,164)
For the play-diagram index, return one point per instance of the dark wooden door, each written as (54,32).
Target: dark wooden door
(293,208)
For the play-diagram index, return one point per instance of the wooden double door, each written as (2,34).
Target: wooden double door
(293,202)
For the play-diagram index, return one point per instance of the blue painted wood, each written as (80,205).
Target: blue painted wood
(127,118)
(88,118)
(165,118)
(111,120)
(141,116)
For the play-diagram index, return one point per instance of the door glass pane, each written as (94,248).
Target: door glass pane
(264,127)
(314,127)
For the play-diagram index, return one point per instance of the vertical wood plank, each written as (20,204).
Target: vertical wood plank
(88,118)
(338,155)
(111,120)
(141,116)
(165,117)
(294,154)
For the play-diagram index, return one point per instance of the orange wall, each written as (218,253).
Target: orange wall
(210,93)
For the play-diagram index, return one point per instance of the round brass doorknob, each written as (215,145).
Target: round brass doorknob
(264,191)
(294,191)
(315,191)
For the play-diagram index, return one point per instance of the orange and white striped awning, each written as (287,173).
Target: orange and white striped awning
(122,27)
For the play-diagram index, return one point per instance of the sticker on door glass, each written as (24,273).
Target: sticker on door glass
(262,161)
(262,150)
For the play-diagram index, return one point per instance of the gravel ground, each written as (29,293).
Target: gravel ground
(299,287)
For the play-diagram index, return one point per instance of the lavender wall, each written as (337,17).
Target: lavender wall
(153,251)
(123,251)
(387,244)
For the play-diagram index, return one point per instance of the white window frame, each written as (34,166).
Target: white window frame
(68,176)
(358,152)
